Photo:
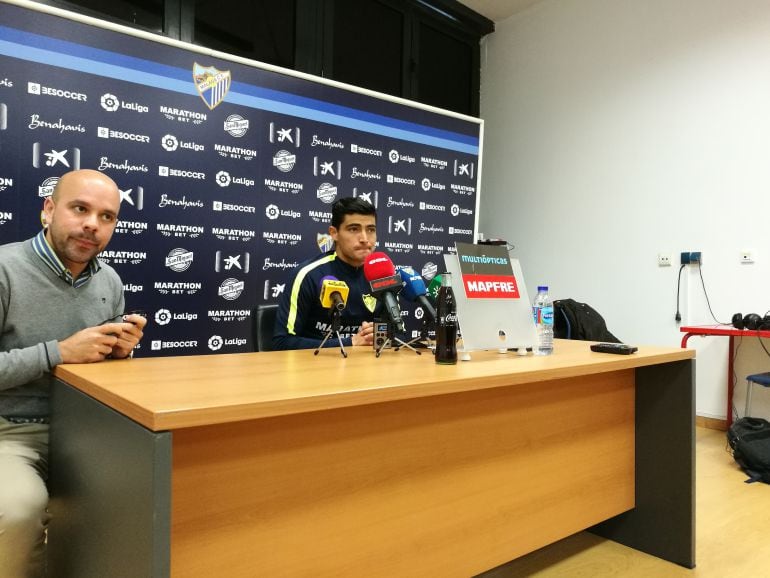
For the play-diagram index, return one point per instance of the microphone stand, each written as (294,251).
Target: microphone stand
(391,337)
(423,339)
(335,328)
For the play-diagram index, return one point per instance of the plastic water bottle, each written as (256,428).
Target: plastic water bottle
(542,311)
(446,323)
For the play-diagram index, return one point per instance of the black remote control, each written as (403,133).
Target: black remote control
(619,348)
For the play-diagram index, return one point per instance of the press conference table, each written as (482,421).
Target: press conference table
(289,464)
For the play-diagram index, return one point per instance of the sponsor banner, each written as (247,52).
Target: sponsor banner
(227,172)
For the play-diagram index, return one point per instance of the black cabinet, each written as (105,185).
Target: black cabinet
(423,50)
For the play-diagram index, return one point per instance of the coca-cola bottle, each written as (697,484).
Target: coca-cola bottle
(446,322)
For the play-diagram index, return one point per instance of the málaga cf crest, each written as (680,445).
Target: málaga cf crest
(212,84)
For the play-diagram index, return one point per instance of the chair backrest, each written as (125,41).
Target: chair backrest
(262,326)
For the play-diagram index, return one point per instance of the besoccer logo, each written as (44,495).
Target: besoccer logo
(163,317)
(110,102)
(169,142)
(223,179)
(272,212)
(215,343)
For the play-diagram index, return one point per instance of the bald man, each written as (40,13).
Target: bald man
(58,304)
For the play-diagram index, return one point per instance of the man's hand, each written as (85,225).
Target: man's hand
(365,335)
(132,332)
(91,344)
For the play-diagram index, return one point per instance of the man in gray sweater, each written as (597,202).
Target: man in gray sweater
(58,304)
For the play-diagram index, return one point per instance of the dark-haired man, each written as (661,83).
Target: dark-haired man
(302,322)
(58,304)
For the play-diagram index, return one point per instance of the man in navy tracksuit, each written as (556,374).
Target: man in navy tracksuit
(302,322)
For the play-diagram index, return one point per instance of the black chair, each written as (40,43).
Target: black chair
(262,326)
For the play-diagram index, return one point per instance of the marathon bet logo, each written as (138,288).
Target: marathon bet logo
(284,135)
(175,230)
(130,227)
(178,287)
(433,163)
(182,115)
(228,234)
(233,152)
(123,257)
(238,261)
(179,259)
(275,238)
(69,157)
(5,183)
(230,289)
(228,315)
(236,125)
(279,186)
(427,249)
(462,189)
(320,216)
(5,216)
(394,247)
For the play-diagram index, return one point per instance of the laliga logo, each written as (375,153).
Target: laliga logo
(223,179)
(170,142)
(110,102)
(425,184)
(393,156)
(163,317)
(272,212)
(215,343)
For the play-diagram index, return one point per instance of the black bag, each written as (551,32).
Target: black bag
(575,320)
(749,439)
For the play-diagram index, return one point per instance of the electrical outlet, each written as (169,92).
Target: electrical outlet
(747,256)
(664,259)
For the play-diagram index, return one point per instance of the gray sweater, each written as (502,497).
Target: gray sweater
(37,310)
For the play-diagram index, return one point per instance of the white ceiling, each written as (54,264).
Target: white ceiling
(497,10)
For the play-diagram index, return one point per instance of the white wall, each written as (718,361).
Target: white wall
(619,129)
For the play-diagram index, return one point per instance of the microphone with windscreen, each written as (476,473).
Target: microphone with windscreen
(433,287)
(415,290)
(334,293)
(385,284)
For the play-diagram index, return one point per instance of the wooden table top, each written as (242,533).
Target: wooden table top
(175,392)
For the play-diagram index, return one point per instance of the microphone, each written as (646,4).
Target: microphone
(334,293)
(433,287)
(385,284)
(414,290)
